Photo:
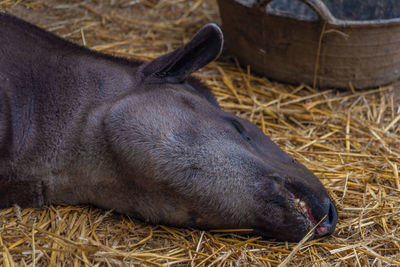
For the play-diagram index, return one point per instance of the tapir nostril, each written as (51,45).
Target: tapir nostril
(332,214)
(328,225)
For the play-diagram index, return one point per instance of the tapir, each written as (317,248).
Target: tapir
(144,139)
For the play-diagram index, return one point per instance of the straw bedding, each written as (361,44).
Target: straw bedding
(350,139)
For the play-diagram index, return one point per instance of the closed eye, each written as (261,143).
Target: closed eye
(241,130)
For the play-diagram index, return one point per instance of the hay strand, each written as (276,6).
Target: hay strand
(349,139)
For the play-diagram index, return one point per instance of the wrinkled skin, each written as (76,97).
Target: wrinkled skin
(145,139)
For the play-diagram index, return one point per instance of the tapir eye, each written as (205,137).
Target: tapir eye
(239,127)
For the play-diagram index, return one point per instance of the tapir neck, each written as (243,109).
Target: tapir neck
(53,83)
(49,90)
(53,121)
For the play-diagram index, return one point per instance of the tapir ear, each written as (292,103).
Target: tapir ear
(176,66)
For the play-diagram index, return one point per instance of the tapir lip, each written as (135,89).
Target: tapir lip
(323,221)
(314,210)
(302,207)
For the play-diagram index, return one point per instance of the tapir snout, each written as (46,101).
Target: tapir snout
(145,139)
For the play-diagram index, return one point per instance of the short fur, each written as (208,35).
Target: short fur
(145,139)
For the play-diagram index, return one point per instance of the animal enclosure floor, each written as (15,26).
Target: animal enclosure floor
(349,139)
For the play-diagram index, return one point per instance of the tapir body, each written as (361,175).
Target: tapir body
(142,138)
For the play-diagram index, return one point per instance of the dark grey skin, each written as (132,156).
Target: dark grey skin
(145,139)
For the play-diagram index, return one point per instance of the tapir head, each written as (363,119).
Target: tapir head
(185,162)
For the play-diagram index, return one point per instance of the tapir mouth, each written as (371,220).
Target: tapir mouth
(302,207)
(324,225)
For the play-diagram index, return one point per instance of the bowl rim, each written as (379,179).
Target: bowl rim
(324,15)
